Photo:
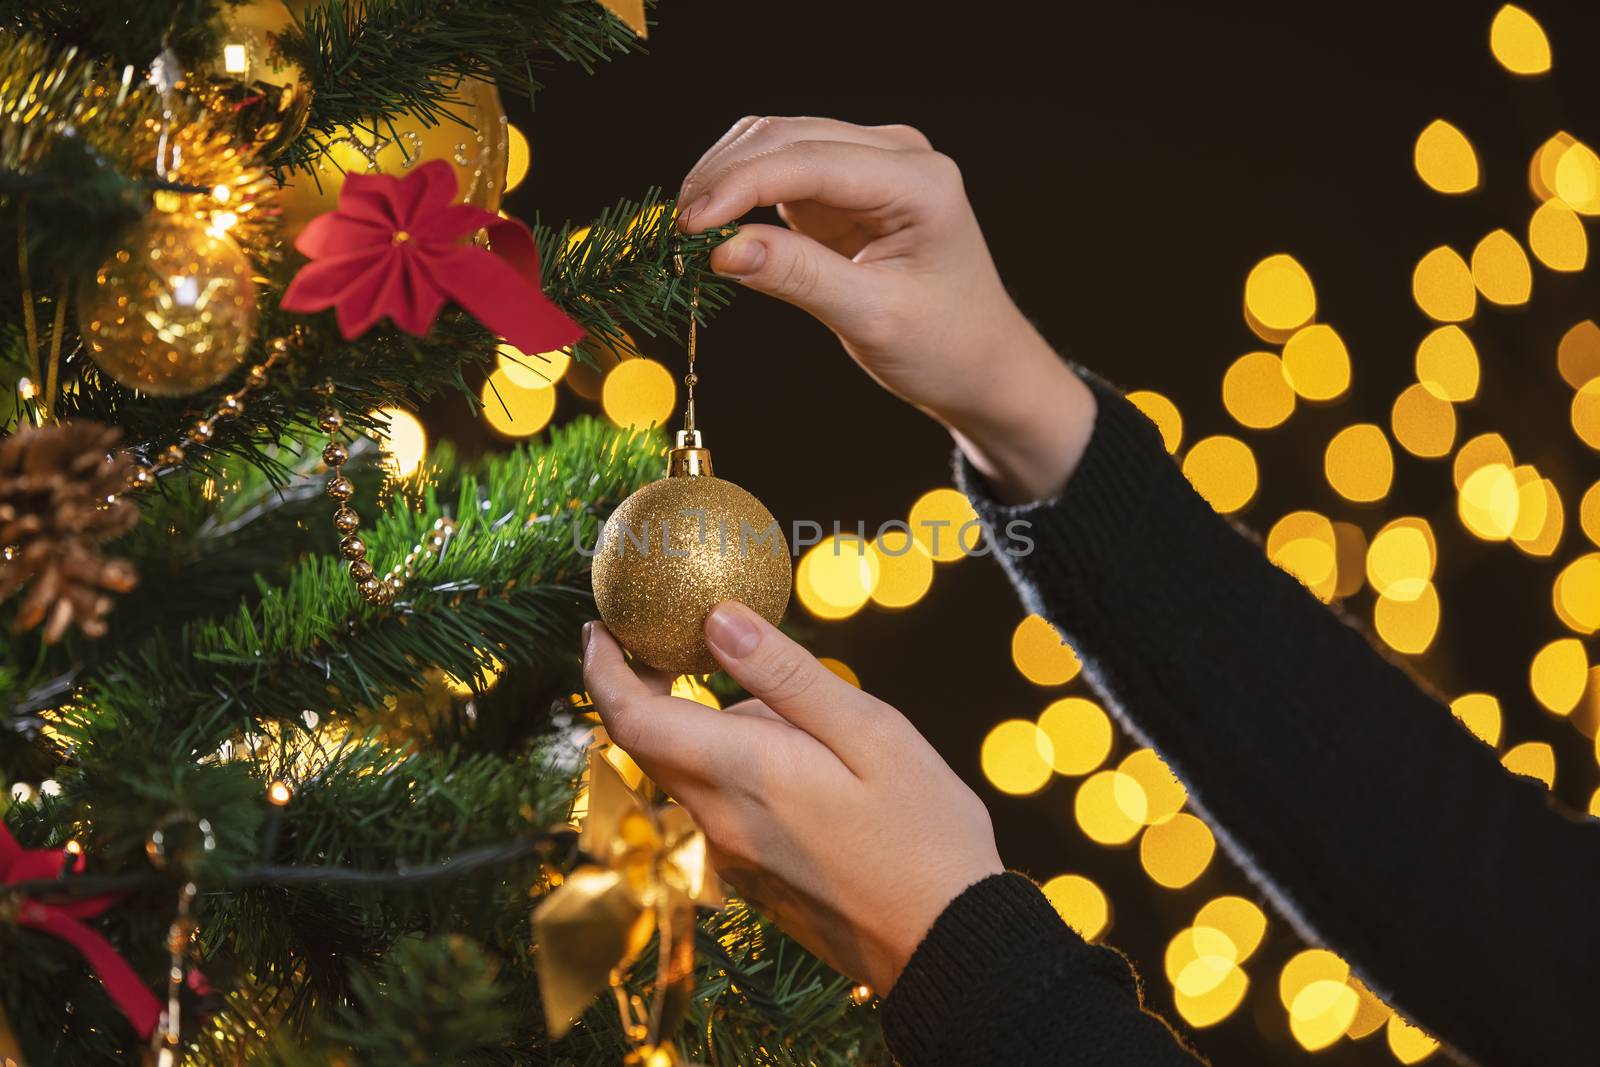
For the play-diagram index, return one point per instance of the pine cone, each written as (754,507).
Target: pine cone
(61,497)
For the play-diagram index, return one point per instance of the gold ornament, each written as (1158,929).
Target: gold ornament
(649,872)
(678,547)
(173,310)
(257,91)
(475,147)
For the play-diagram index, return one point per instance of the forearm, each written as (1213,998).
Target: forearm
(1368,813)
(1000,979)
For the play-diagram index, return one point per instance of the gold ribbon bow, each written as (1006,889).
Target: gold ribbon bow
(647,872)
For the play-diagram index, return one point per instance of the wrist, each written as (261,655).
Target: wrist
(1027,431)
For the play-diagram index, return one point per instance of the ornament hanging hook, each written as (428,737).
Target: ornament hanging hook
(689,456)
(691,379)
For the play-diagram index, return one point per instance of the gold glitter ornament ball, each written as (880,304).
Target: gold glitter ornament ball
(674,550)
(261,93)
(173,310)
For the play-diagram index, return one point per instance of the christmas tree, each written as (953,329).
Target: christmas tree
(291,738)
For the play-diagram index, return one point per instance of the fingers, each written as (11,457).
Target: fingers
(755,134)
(668,737)
(789,680)
(841,174)
(796,269)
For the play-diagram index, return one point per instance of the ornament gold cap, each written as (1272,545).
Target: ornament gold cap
(689,457)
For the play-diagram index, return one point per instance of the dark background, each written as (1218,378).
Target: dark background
(1130,162)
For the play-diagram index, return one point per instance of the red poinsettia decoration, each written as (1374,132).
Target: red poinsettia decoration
(400,247)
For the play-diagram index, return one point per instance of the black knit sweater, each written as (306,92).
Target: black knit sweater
(1375,823)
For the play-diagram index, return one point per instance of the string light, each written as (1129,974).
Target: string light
(1479,713)
(1164,413)
(1041,655)
(1447,364)
(1423,424)
(1176,852)
(1442,286)
(1407,1043)
(1016,757)
(639,392)
(1222,469)
(1162,796)
(1444,159)
(1316,363)
(836,577)
(1102,806)
(905,570)
(1278,297)
(1500,270)
(1557,237)
(1081,904)
(1559,674)
(1518,42)
(279,793)
(943,521)
(1359,463)
(1532,759)
(514,410)
(1080,735)
(1256,391)
(1578,354)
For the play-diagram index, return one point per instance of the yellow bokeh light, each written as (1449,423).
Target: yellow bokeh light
(1222,469)
(688,687)
(404,444)
(1163,412)
(1444,158)
(1586,413)
(1080,735)
(1589,513)
(1401,559)
(1578,354)
(1479,713)
(1204,943)
(1558,674)
(1099,805)
(944,522)
(1207,984)
(1371,1013)
(1321,1013)
(513,411)
(1442,286)
(1164,796)
(1040,653)
(1541,517)
(1316,363)
(841,668)
(1359,463)
(1256,392)
(1081,904)
(1216,1003)
(1351,551)
(1578,178)
(1238,919)
(1016,757)
(490,677)
(836,576)
(533,370)
(1557,238)
(1518,41)
(1423,424)
(1542,167)
(1594,803)
(1307,966)
(1278,297)
(1577,594)
(1500,269)
(639,392)
(518,157)
(1489,502)
(1447,364)
(1532,759)
(1176,852)
(1304,544)
(1407,1043)
(905,570)
(1487,449)
(1408,626)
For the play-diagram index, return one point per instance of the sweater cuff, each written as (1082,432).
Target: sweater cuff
(1121,484)
(992,937)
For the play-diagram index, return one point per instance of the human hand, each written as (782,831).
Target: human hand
(882,246)
(821,805)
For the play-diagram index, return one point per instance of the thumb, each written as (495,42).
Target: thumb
(787,678)
(796,269)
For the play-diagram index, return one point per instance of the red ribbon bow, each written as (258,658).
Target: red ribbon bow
(63,918)
(396,247)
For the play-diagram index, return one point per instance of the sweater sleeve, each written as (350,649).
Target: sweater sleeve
(1375,822)
(1000,979)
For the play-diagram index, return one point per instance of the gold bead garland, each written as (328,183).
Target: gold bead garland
(373,588)
(203,429)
